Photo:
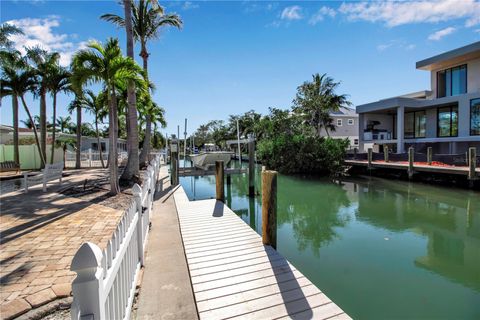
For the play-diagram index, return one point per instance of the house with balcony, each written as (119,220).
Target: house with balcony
(446,117)
(345,121)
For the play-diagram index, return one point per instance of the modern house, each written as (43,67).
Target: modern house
(345,121)
(446,118)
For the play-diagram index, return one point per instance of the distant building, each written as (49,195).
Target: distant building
(446,118)
(346,126)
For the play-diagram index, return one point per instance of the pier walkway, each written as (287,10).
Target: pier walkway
(235,276)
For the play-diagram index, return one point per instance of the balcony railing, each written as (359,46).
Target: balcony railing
(377,135)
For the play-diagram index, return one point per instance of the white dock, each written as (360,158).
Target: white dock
(235,276)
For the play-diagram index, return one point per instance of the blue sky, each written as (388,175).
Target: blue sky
(231,57)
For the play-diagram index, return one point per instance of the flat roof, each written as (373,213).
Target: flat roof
(451,57)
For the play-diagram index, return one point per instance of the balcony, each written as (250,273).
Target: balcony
(377,134)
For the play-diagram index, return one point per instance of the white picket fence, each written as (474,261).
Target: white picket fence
(91,159)
(105,284)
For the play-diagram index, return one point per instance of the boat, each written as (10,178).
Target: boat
(205,160)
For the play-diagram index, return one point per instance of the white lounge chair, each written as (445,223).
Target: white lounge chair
(51,172)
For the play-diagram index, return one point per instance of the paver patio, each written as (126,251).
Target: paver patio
(40,233)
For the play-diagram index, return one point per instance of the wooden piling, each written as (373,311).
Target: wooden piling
(251,168)
(411,160)
(229,179)
(385,153)
(370,151)
(355,151)
(269,208)
(429,155)
(472,163)
(219,179)
(174,162)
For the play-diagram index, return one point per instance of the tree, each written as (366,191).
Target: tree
(64,124)
(43,63)
(58,81)
(64,143)
(95,105)
(17,79)
(105,64)
(76,105)
(316,100)
(148,19)
(7,30)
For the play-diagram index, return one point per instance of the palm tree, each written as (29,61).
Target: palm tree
(76,105)
(64,123)
(29,123)
(7,30)
(95,105)
(64,142)
(316,100)
(105,64)
(155,114)
(17,79)
(58,81)
(43,63)
(148,19)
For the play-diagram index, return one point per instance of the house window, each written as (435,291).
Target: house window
(350,122)
(447,121)
(475,117)
(415,124)
(355,141)
(451,82)
(339,122)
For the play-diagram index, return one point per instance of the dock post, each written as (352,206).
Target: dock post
(355,151)
(219,179)
(229,179)
(472,163)
(269,208)
(410,161)
(174,162)
(429,155)
(385,153)
(370,151)
(251,168)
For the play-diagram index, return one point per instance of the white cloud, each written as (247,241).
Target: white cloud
(404,12)
(397,44)
(292,13)
(189,5)
(321,14)
(39,32)
(441,33)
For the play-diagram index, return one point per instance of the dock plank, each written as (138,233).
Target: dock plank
(234,275)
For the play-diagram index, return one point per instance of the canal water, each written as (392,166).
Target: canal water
(381,249)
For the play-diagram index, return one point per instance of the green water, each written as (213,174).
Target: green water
(380,249)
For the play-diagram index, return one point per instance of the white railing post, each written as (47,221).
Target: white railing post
(87,288)
(90,157)
(137,195)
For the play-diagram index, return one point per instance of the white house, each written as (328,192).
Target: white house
(446,117)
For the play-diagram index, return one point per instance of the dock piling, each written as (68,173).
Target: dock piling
(385,153)
(251,168)
(472,163)
(219,180)
(370,151)
(429,155)
(174,162)
(269,208)
(410,161)
(355,151)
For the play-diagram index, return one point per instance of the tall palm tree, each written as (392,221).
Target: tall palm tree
(315,101)
(105,64)
(64,124)
(7,30)
(76,105)
(148,19)
(95,105)
(43,63)
(17,79)
(58,81)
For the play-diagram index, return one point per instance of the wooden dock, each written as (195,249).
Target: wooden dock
(235,276)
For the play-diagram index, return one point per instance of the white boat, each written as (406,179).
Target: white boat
(205,160)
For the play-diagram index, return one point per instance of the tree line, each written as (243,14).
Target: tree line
(124,100)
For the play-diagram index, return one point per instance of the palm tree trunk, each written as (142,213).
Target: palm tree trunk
(35,133)
(98,142)
(78,164)
(16,153)
(43,124)
(52,154)
(146,141)
(112,147)
(132,168)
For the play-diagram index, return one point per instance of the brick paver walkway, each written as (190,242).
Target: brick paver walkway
(40,233)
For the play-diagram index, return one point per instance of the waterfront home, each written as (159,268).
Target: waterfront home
(446,117)
(345,121)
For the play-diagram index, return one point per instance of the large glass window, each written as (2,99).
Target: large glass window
(475,117)
(452,81)
(447,121)
(415,124)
